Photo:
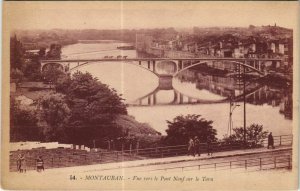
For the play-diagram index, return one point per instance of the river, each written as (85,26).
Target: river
(191,93)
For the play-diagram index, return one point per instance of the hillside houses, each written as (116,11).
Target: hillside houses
(255,42)
(229,42)
(252,47)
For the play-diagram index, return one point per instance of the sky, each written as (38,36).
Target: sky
(132,14)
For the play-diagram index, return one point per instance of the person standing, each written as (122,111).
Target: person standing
(23,163)
(40,164)
(209,147)
(19,162)
(197,145)
(271,141)
(191,147)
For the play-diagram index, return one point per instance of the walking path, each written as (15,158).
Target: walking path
(159,161)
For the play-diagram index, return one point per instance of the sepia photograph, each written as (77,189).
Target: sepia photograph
(150,95)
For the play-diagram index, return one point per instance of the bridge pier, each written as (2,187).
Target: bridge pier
(180,98)
(68,66)
(175,97)
(266,92)
(153,63)
(175,100)
(165,82)
(180,65)
(259,93)
(149,100)
(154,99)
(258,65)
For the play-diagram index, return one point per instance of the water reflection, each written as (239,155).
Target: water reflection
(195,87)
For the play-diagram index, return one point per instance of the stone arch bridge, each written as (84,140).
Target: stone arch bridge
(165,79)
(180,64)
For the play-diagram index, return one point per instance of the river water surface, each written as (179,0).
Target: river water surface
(191,93)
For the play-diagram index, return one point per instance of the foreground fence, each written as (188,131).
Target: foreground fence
(263,163)
(178,150)
(61,157)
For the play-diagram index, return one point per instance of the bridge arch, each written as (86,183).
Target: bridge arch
(55,64)
(171,62)
(203,101)
(127,62)
(231,61)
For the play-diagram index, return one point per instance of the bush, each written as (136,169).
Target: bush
(184,127)
(254,136)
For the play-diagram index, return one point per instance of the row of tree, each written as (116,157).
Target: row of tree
(182,128)
(87,111)
(80,110)
(26,66)
(65,37)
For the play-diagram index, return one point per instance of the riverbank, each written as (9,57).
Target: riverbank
(276,80)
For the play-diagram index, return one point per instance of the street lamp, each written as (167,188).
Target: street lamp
(231,109)
(244,93)
(244,97)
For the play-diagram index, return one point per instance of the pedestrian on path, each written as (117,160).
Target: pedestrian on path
(209,147)
(24,166)
(19,163)
(40,164)
(271,141)
(197,146)
(191,147)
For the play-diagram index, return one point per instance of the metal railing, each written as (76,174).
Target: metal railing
(262,163)
(168,151)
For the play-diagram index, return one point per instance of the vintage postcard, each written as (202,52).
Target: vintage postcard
(150,95)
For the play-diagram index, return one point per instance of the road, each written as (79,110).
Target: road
(238,160)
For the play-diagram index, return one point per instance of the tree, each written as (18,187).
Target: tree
(52,73)
(16,53)
(54,52)
(54,113)
(254,135)
(23,123)
(135,133)
(63,82)
(42,52)
(184,127)
(16,74)
(27,63)
(32,68)
(94,108)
